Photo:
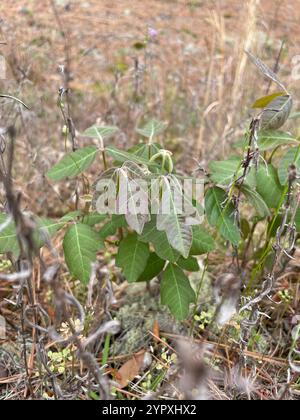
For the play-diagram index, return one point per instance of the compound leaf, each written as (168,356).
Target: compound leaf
(132,257)
(176,292)
(81,244)
(221,215)
(73,163)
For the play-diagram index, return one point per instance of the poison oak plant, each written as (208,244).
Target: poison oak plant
(241,193)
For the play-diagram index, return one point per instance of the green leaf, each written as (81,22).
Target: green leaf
(69,217)
(51,226)
(93,219)
(288,159)
(268,185)
(265,100)
(145,151)
(221,215)
(100,132)
(222,172)
(277,112)
(73,164)
(152,128)
(90,219)
(179,234)
(136,193)
(110,228)
(245,228)
(81,244)
(256,200)
(160,242)
(270,139)
(122,156)
(202,241)
(46,229)
(274,225)
(132,257)
(297,220)
(189,264)
(8,237)
(176,292)
(154,267)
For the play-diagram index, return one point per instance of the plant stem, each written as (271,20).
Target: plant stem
(198,294)
(106,349)
(104,160)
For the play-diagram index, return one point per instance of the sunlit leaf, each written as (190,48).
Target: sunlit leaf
(265,100)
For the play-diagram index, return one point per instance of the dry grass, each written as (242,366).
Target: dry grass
(193,76)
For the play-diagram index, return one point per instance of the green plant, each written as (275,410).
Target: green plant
(59,360)
(240,195)
(203,319)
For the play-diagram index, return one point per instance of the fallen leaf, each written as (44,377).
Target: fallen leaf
(114,373)
(131,369)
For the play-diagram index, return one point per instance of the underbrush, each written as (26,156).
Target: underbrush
(178,285)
